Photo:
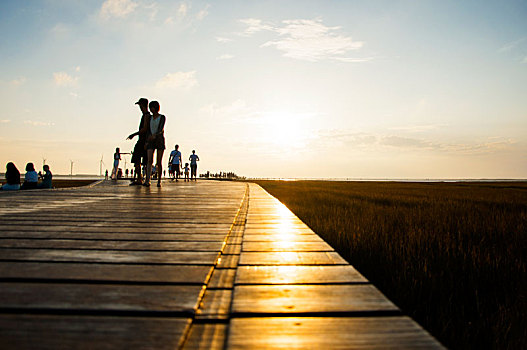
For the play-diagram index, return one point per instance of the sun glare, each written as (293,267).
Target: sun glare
(286,130)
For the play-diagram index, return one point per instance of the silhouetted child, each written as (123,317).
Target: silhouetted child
(31,178)
(116,159)
(186,169)
(46,178)
(12,176)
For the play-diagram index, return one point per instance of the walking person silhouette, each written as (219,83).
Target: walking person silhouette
(155,141)
(175,162)
(139,154)
(193,165)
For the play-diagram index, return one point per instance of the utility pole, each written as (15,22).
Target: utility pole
(71,167)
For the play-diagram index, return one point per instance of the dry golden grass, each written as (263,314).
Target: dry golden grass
(451,255)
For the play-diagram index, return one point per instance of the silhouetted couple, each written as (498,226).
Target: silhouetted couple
(151,138)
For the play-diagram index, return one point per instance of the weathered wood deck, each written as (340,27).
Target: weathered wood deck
(207,265)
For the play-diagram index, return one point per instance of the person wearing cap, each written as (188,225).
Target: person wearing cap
(139,154)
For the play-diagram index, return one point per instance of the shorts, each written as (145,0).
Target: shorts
(157,143)
(193,168)
(174,168)
(139,153)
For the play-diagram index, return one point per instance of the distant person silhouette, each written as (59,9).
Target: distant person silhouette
(12,176)
(47,178)
(193,165)
(155,141)
(106,175)
(116,159)
(175,162)
(139,155)
(186,172)
(31,178)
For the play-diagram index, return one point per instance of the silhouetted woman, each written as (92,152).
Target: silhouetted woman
(155,141)
(12,176)
(31,178)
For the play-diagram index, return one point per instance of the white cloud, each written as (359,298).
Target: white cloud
(311,40)
(203,13)
(77,69)
(117,8)
(225,57)
(182,10)
(64,79)
(37,123)
(418,128)
(5,121)
(254,25)
(367,141)
(153,10)
(178,80)
(18,81)
(352,59)
(304,39)
(223,40)
(237,109)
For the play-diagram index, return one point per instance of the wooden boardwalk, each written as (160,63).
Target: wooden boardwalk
(207,265)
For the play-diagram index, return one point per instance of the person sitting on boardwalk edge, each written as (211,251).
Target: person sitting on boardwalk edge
(12,176)
(46,178)
(31,178)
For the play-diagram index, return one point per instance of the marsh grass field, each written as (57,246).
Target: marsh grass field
(451,255)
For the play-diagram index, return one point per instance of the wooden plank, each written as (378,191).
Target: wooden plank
(189,274)
(232,249)
(228,261)
(286,246)
(222,278)
(208,336)
(111,245)
(328,333)
(291,258)
(185,222)
(235,239)
(28,332)
(100,297)
(67,234)
(215,304)
(309,299)
(109,256)
(277,237)
(298,275)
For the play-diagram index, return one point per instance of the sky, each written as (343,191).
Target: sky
(305,89)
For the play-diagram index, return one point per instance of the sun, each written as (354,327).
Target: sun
(286,130)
